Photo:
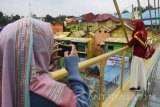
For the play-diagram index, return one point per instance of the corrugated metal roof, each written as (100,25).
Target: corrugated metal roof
(148,22)
(74,39)
(89,17)
(111,72)
(125,15)
(105,17)
(146,14)
(79,33)
(107,28)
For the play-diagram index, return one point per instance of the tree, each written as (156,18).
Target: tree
(142,9)
(16,17)
(34,16)
(49,18)
(1,14)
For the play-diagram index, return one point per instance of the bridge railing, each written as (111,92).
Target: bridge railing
(62,73)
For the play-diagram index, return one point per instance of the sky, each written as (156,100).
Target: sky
(65,7)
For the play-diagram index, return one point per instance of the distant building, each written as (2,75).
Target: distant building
(84,46)
(57,27)
(73,24)
(101,34)
(87,22)
(107,20)
(81,34)
(118,32)
(115,43)
(146,17)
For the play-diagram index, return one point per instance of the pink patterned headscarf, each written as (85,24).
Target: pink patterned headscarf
(14,38)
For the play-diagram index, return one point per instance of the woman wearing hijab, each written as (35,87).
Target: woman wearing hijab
(137,75)
(25,51)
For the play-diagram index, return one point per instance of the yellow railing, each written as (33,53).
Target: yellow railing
(60,74)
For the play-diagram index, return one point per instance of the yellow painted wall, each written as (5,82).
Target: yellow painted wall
(88,26)
(119,33)
(108,23)
(150,33)
(90,49)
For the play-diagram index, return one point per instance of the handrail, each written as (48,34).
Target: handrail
(62,73)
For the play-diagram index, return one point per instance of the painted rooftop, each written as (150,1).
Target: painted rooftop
(125,15)
(154,21)
(110,72)
(146,14)
(116,40)
(84,40)
(89,17)
(105,17)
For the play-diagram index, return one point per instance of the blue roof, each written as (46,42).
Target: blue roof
(148,22)
(111,72)
(125,15)
(146,14)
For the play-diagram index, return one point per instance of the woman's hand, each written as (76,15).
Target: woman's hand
(55,51)
(72,53)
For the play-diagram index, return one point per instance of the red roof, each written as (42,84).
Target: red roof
(105,17)
(73,20)
(129,23)
(89,17)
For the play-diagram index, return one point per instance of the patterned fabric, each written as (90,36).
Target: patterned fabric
(18,72)
(139,27)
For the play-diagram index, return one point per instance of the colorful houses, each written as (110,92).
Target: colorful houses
(57,27)
(90,22)
(81,34)
(101,34)
(85,46)
(107,20)
(115,43)
(118,32)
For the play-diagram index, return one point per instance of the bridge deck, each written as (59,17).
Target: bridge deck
(123,98)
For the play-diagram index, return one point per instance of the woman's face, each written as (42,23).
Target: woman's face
(134,26)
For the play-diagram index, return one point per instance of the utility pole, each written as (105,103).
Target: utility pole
(121,20)
(30,12)
(155,14)
(133,16)
(149,7)
(159,14)
(139,7)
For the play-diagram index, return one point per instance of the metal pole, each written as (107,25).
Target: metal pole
(159,14)
(150,13)
(139,6)
(133,12)
(155,13)
(101,82)
(121,20)
(123,64)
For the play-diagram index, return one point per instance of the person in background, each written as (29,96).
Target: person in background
(137,75)
(25,54)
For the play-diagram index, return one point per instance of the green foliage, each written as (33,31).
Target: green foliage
(49,19)
(4,20)
(1,14)
(16,17)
